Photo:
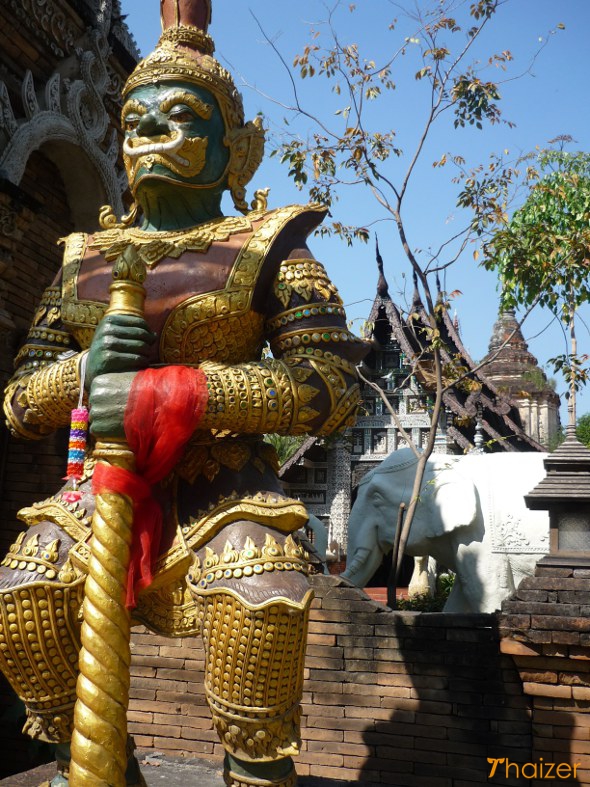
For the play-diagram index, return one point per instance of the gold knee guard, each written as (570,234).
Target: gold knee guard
(251,586)
(39,644)
(254,673)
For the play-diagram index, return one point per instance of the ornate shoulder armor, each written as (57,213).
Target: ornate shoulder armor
(80,316)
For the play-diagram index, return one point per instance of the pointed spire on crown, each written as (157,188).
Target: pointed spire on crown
(192,13)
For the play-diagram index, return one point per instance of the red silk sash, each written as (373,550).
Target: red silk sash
(163,410)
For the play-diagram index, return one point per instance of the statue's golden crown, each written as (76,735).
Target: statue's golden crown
(185,53)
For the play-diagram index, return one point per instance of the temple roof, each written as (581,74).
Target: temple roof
(567,478)
(497,414)
(382,285)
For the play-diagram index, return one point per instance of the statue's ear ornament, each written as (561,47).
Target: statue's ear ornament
(246,145)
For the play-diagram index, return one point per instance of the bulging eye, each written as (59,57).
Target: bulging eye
(131,123)
(181,116)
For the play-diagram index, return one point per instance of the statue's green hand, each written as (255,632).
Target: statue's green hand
(108,399)
(121,343)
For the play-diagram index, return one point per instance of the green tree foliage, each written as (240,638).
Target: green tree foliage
(542,253)
(285,445)
(583,429)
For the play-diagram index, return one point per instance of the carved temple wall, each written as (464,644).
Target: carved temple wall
(36,215)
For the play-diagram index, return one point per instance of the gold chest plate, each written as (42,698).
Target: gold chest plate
(217,325)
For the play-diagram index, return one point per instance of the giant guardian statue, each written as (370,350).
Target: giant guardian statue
(175,518)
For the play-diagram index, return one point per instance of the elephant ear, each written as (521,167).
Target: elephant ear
(455,498)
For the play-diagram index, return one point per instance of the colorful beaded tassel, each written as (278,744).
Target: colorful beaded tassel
(77,442)
(76,452)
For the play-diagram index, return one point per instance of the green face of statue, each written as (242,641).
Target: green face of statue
(174,134)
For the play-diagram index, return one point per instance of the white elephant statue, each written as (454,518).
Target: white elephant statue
(471,517)
(423,581)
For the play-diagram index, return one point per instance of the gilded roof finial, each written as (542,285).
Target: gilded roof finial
(382,285)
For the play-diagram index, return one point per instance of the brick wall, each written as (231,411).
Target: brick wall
(32,470)
(545,627)
(390,698)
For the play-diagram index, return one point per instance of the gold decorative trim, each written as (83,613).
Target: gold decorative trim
(249,561)
(246,147)
(80,316)
(39,643)
(236,780)
(153,247)
(281,513)
(302,313)
(187,34)
(52,392)
(345,413)
(315,335)
(221,314)
(296,356)
(254,690)
(169,611)
(49,308)
(305,278)
(30,556)
(207,459)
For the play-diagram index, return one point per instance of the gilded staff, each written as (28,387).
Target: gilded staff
(99,742)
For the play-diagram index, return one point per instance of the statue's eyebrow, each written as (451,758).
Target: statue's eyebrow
(133,105)
(199,107)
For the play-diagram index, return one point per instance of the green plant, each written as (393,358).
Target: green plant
(425,602)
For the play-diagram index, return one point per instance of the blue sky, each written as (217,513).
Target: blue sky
(549,100)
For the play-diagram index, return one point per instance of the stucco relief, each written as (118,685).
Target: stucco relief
(70,110)
(48,21)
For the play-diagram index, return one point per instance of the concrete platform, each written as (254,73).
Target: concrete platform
(161,771)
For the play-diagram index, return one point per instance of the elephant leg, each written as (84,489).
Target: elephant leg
(251,585)
(457,602)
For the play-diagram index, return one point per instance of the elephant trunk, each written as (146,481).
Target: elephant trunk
(362,564)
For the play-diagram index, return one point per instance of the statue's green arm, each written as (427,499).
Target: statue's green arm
(310,385)
(45,386)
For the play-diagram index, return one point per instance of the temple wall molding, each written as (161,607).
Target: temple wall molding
(65,109)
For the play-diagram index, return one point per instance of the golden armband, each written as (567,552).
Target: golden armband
(52,392)
(255,398)
(306,279)
(337,376)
